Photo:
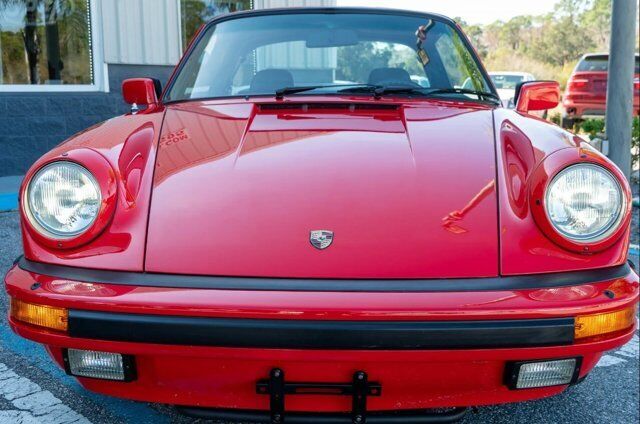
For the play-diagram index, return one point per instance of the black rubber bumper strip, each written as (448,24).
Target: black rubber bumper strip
(299,334)
(391,417)
(520,282)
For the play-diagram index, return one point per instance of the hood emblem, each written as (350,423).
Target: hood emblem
(321,239)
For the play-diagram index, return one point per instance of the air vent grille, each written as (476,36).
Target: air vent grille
(351,107)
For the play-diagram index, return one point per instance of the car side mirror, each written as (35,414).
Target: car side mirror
(537,95)
(141,92)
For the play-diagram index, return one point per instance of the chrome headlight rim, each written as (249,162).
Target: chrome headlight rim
(606,232)
(40,227)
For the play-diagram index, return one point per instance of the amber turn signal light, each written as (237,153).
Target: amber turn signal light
(40,315)
(608,322)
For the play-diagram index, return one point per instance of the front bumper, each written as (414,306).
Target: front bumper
(208,347)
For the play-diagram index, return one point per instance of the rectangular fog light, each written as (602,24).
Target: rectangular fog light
(101,365)
(533,374)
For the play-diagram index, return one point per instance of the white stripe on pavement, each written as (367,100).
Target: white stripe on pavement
(626,352)
(32,403)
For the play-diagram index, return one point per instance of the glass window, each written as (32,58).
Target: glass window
(331,65)
(197,12)
(599,64)
(506,82)
(45,42)
(257,55)
(594,63)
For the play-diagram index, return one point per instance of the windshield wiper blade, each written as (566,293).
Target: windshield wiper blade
(397,89)
(481,94)
(380,90)
(280,93)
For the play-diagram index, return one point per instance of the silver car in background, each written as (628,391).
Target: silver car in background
(506,83)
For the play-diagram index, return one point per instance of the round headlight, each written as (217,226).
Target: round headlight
(584,203)
(63,200)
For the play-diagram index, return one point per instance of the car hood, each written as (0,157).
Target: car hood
(408,191)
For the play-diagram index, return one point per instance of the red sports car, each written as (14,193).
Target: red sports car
(314,222)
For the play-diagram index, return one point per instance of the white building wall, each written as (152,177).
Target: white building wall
(147,32)
(141,32)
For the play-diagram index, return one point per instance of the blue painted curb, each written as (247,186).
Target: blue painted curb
(128,411)
(8,201)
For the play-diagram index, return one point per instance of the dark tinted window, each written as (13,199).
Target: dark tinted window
(599,64)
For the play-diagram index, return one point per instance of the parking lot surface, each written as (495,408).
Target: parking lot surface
(34,390)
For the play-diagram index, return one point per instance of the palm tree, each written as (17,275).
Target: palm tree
(29,33)
(53,11)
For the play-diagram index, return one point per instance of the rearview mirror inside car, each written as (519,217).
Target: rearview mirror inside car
(335,38)
(537,95)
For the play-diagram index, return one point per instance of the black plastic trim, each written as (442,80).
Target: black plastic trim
(518,282)
(419,416)
(306,334)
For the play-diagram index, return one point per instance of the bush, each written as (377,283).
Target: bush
(556,118)
(596,126)
(592,126)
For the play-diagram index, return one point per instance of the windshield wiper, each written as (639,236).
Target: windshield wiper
(280,93)
(483,95)
(380,90)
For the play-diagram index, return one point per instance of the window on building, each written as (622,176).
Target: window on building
(45,42)
(197,12)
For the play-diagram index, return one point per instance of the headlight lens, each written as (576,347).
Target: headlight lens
(63,199)
(584,203)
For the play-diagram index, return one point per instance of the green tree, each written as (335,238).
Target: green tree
(561,41)
(475,34)
(596,21)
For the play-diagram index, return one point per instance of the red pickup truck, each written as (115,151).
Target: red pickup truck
(586,93)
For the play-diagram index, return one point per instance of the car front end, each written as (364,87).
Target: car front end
(365,251)
(459,346)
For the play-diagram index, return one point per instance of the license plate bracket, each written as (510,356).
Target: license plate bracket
(277,388)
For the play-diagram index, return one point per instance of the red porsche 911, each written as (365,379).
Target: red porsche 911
(315,222)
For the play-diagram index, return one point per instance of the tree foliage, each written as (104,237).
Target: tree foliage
(547,45)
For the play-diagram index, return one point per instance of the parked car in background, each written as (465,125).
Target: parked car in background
(586,93)
(506,83)
(296,230)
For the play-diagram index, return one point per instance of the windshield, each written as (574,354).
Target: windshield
(506,81)
(259,55)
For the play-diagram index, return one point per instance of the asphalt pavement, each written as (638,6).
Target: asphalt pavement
(34,390)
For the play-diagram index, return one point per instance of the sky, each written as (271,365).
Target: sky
(472,11)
